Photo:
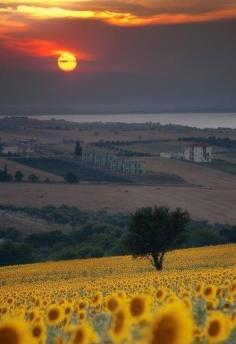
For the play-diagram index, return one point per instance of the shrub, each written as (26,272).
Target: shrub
(71,178)
(18,176)
(32,178)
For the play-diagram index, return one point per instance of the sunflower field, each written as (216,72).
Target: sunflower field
(122,300)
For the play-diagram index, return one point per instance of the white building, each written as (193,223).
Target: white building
(19,148)
(166,155)
(172,155)
(10,150)
(198,153)
(112,162)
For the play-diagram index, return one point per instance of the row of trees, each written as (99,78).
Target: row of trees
(18,176)
(212,140)
(88,234)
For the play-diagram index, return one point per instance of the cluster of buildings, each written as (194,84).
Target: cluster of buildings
(199,153)
(112,162)
(25,147)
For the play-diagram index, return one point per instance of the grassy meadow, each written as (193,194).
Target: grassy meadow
(122,300)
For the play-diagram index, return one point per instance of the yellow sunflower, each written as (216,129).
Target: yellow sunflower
(173,324)
(161,293)
(97,299)
(55,315)
(218,327)
(39,331)
(14,331)
(112,302)
(139,307)
(83,334)
(209,292)
(119,328)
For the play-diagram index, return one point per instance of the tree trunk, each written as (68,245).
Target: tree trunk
(157,260)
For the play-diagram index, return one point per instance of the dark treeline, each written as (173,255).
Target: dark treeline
(212,140)
(108,143)
(5,176)
(89,234)
(18,177)
(111,143)
(116,145)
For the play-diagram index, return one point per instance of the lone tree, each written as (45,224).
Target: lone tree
(155,231)
(78,148)
(18,176)
(5,176)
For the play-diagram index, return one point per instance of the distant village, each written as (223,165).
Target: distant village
(25,147)
(105,159)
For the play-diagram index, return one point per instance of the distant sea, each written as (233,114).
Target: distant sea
(199,120)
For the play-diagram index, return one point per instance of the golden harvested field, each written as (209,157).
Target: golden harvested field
(42,175)
(213,204)
(86,136)
(122,300)
(95,133)
(192,173)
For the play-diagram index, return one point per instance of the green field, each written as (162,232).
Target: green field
(61,167)
(87,173)
(223,165)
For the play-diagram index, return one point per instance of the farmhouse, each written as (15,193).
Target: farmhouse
(166,155)
(198,153)
(172,155)
(10,150)
(112,162)
(24,147)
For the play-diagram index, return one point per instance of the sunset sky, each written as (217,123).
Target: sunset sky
(134,55)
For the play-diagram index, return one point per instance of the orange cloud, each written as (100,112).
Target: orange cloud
(41,48)
(8,25)
(167,18)
(159,14)
(20,15)
(124,18)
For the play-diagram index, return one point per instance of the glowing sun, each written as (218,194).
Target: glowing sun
(67,62)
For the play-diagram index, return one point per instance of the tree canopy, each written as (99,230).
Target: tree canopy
(155,231)
(71,178)
(32,178)
(78,148)
(18,176)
